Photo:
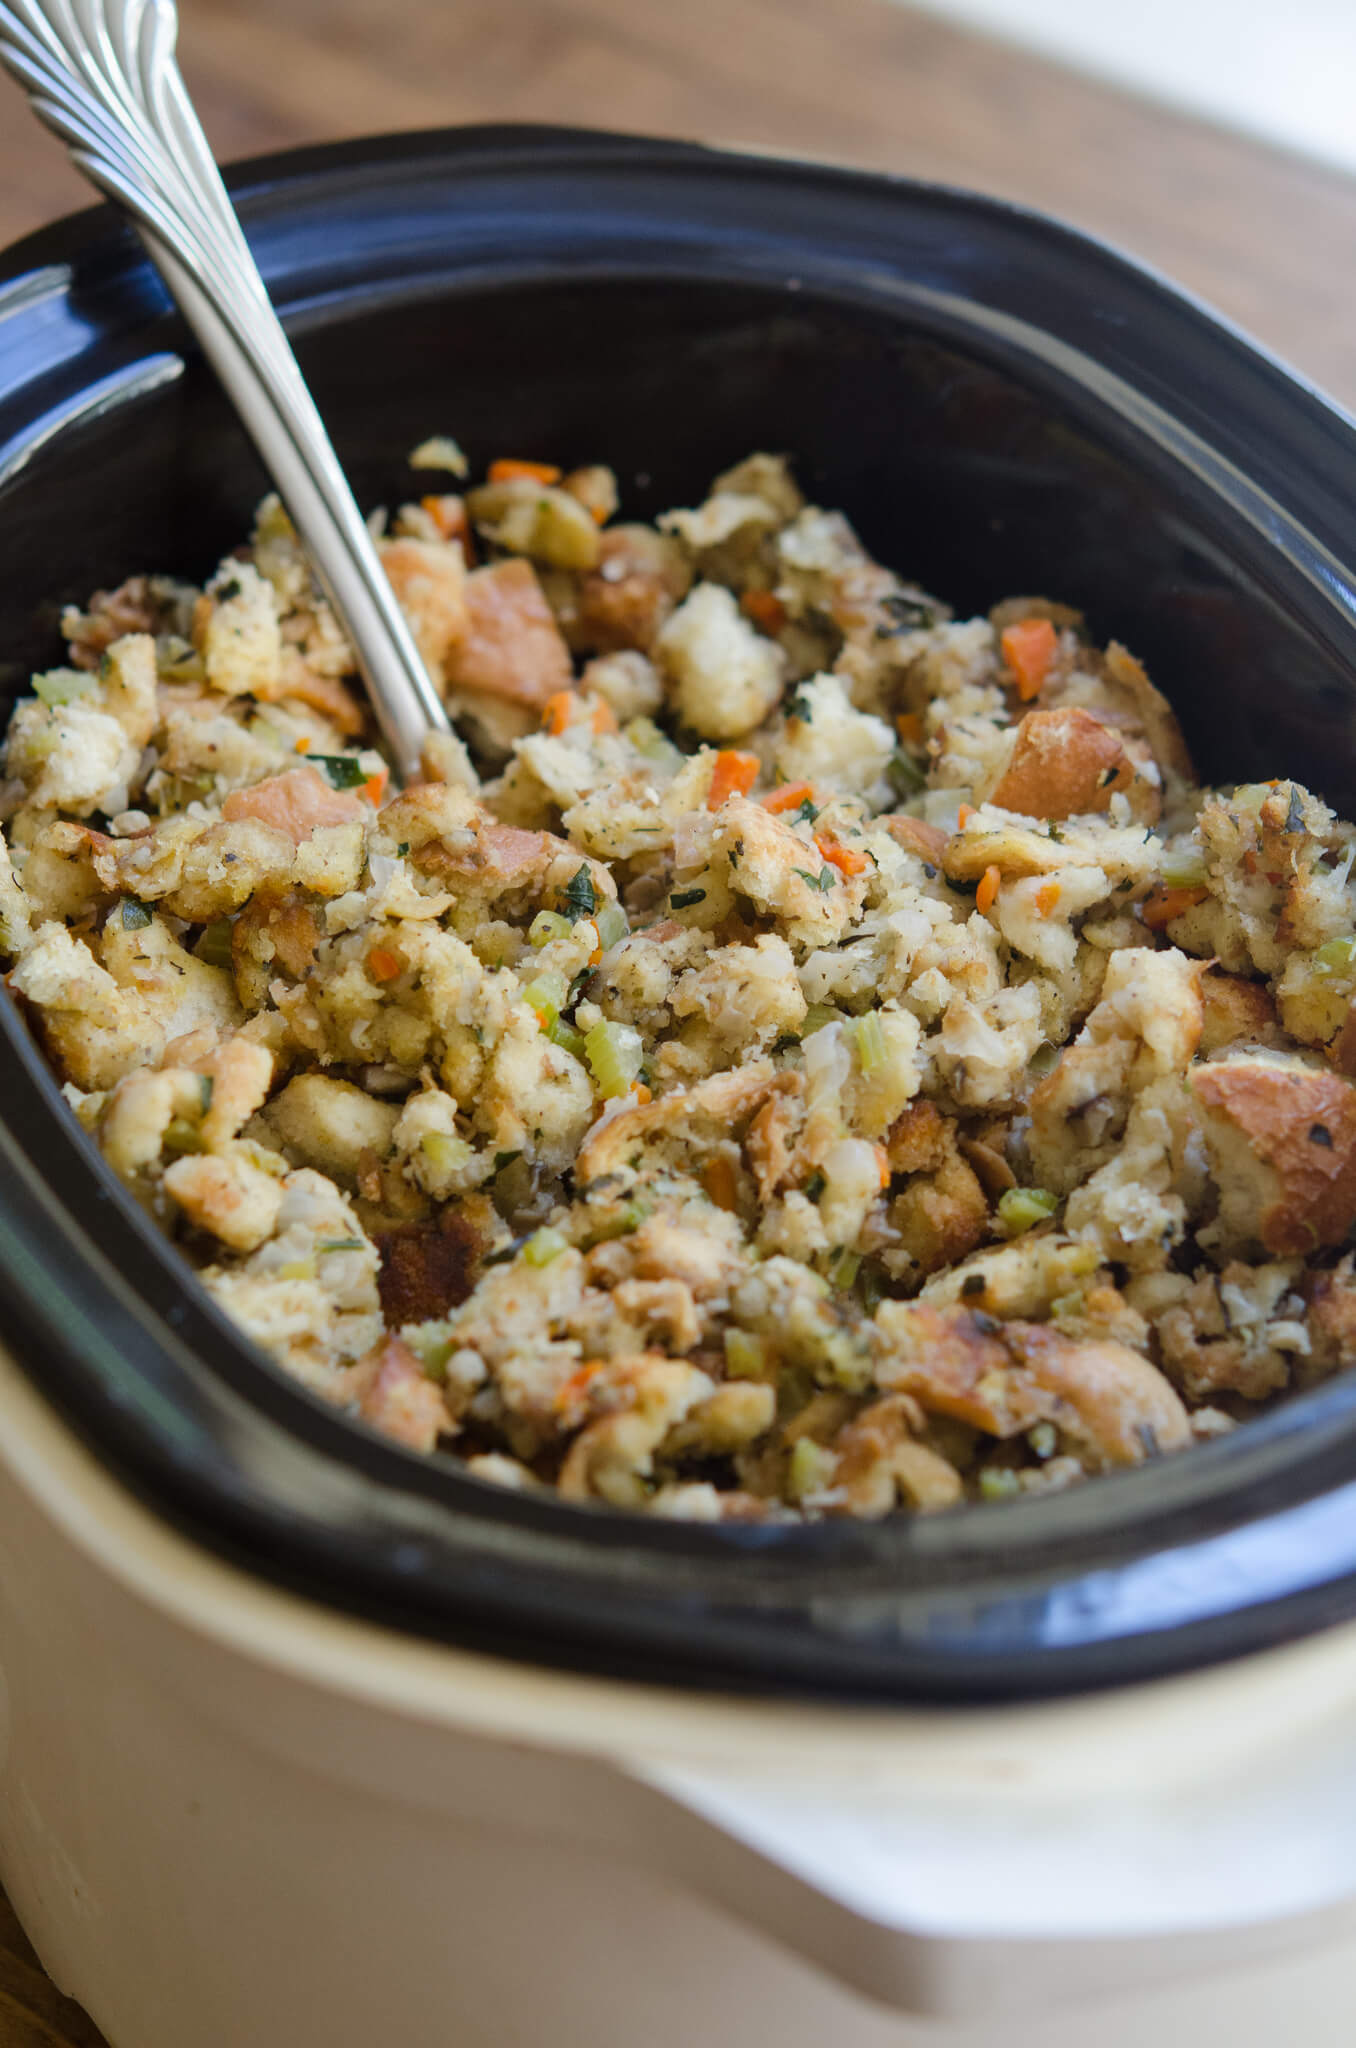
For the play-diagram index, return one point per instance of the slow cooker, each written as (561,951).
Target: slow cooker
(306,1739)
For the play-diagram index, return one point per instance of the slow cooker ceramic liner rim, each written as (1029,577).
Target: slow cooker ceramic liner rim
(1000,1569)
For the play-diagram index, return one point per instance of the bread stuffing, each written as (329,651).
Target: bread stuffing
(797,1054)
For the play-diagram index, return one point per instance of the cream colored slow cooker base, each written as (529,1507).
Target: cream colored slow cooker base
(231,1819)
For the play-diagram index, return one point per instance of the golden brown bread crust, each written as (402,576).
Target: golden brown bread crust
(1065,764)
(1004,1378)
(1302,1122)
(915,835)
(1236,1012)
(511,646)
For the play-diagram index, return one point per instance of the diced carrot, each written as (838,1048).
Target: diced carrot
(987,892)
(1029,648)
(374,789)
(303,745)
(557,711)
(766,610)
(604,717)
(508,467)
(382,964)
(449,516)
(883,1162)
(573,1390)
(845,858)
(642,1094)
(909,726)
(718,1178)
(963,816)
(1047,896)
(789,797)
(733,773)
(1162,905)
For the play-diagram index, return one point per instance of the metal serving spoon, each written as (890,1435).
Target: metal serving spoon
(102,74)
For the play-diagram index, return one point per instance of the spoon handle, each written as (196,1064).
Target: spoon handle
(102,74)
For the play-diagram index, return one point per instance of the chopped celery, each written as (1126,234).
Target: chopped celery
(546,926)
(544,1245)
(869,1039)
(445,1153)
(1334,957)
(817,1015)
(1043,1439)
(747,1357)
(612,924)
(183,1136)
(622,1224)
(567,1038)
(998,1482)
(214,944)
(1022,1208)
(1184,867)
(614,1052)
(843,1270)
(812,1468)
(64,685)
(647,739)
(298,1269)
(546,995)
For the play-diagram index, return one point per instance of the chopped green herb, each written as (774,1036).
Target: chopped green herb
(904,775)
(506,1252)
(503,1159)
(1294,817)
(823,881)
(815,1186)
(806,810)
(340,1244)
(135,916)
(343,771)
(683,899)
(580,899)
(403,848)
(206,1090)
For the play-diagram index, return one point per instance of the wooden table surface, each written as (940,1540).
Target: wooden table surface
(1266,237)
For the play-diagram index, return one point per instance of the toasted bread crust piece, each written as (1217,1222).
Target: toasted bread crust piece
(1300,1123)
(1065,764)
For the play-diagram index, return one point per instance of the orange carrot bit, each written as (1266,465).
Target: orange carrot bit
(1047,896)
(508,468)
(718,1178)
(382,964)
(963,816)
(603,717)
(733,774)
(557,712)
(303,745)
(642,1094)
(845,858)
(374,789)
(987,893)
(573,1391)
(909,726)
(766,610)
(1162,905)
(1029,649)
(883,1162)
(789,797)
(449,516)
